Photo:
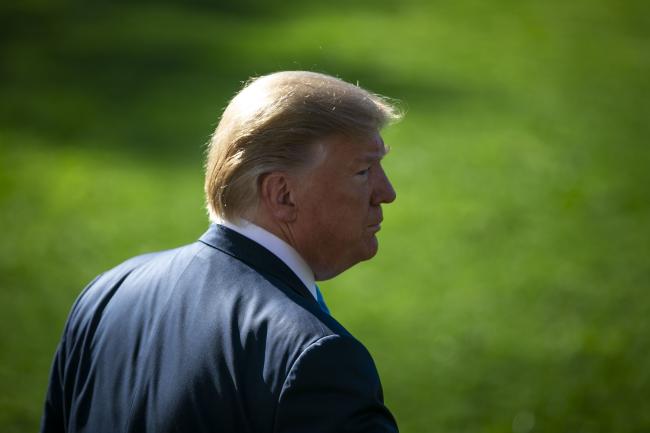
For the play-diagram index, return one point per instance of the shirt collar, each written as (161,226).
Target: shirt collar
(277,246)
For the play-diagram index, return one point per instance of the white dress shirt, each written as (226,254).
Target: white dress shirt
(277,246)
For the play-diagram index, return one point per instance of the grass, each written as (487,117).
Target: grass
(510,291)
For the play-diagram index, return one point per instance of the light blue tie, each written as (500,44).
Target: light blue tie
(321,301)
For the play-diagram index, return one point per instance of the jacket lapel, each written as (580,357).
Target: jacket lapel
(255,255)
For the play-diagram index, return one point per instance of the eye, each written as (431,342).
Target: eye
(363,172)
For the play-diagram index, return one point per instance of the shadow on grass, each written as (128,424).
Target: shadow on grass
(152,82)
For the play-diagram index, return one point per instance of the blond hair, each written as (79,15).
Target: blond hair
(272,125)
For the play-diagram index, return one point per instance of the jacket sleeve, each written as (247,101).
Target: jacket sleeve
(333,387)
(52,420)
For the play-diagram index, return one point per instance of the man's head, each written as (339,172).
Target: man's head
(298,153)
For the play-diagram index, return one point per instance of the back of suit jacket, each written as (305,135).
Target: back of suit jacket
(216,336)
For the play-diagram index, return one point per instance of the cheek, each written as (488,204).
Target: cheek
(342,207)
(348,212)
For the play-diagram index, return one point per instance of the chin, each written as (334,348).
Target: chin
(371,248)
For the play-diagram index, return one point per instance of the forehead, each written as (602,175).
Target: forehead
(350,150)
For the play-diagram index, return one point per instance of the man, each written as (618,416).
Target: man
(230,333)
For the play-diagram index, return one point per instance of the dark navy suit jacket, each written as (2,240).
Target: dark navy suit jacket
(216,336)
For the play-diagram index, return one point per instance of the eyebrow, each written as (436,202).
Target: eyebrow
(374,156)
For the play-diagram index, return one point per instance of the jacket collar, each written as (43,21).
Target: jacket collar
(255,255)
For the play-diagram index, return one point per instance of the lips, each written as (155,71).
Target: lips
(376,226)
(376,217)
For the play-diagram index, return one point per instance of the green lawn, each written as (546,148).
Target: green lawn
(511,291)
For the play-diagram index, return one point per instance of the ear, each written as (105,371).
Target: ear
(277,196)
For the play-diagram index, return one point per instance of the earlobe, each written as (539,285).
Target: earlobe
(277,196)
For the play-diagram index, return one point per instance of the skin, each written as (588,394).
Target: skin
(330,212)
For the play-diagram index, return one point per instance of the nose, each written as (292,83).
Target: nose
(384,191)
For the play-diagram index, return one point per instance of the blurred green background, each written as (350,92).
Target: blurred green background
(511,291)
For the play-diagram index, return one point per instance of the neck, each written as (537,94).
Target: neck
(285,231)
(279,229)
